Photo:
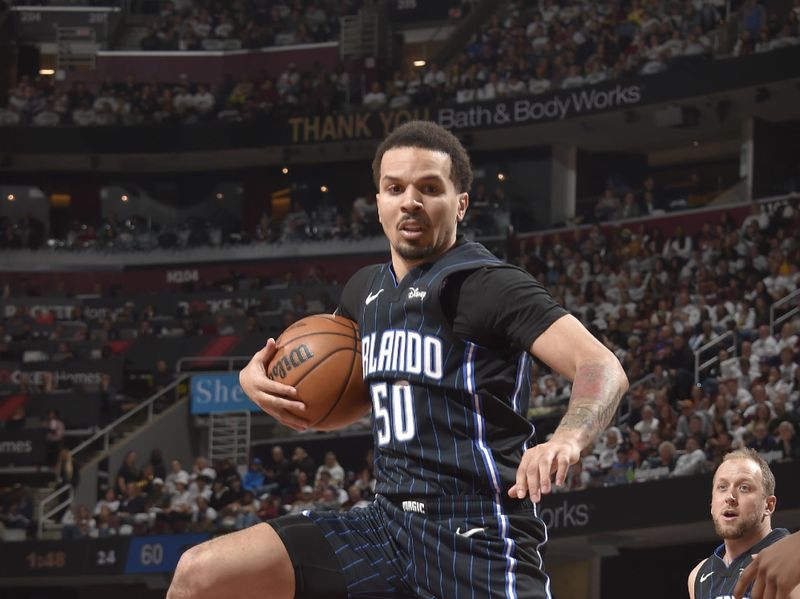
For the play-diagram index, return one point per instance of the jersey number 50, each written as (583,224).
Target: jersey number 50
(395,416)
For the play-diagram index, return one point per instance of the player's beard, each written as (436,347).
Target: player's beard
(736,530)
(411,252)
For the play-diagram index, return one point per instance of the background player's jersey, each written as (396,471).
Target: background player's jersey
(715,580)
(448,415)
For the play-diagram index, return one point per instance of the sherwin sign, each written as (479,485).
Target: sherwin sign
(219,393)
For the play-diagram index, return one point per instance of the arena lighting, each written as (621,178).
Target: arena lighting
(124,198)
(47,71)
(324,189)
(419,63)
(695,143)
(11,197)
(285,170)
(220,196)
(501,177)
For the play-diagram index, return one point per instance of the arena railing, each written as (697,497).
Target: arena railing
(774,322)
(147,407)
(44,513)
(716,341)
(205,363)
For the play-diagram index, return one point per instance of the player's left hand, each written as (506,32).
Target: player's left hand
(539,463)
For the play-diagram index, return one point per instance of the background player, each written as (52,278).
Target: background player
(742,502)
(454,467)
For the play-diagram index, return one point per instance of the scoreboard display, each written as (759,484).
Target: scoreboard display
(96,557)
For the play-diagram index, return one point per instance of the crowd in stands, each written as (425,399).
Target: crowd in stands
(654,301)
(541,46)
(355,222)
(206,25)
(621,200)
(533,48)
(153,498)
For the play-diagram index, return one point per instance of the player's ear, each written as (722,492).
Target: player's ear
(463,203)
(769,505)
(378,205)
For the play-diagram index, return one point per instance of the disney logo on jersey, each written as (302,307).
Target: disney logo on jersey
(293,359)
(413,293)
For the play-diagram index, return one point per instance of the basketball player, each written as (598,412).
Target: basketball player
(447,333)
(742,503)
(774,572)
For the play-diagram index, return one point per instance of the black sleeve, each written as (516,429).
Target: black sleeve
(499,306)
(355,291)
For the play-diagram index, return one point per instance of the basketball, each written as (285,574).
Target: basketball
(320,356)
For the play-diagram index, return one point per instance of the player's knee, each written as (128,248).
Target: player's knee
(191,579)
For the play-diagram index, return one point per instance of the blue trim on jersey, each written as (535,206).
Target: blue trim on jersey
(539,554)
(494,473)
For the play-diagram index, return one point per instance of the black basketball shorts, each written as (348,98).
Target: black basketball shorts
(446,548)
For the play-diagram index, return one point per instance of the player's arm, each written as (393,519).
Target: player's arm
(598,383)
(774,572)
(693,577)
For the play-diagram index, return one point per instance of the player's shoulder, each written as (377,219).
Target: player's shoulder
(356,289)
(693,577)
(498,276)
(363,276)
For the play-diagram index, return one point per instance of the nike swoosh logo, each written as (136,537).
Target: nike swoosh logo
(704,576)
(470,532)
(371,298)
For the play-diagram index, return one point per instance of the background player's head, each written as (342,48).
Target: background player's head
(743,496)
(422,172)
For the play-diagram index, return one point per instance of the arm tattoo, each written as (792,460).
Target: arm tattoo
(596,392)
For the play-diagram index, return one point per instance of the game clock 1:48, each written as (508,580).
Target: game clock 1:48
(47,560)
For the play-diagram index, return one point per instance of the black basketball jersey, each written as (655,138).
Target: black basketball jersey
(448,416)
(715,580)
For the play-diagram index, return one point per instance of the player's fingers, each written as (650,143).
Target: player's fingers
(287,404)
(270,387)
(519,488)
(539,476)
(546,469)
(771,590)
(758,588)
(563,468)
(292,421)
(745,578)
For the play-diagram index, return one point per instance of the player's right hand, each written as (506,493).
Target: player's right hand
(774,572)
(275,398)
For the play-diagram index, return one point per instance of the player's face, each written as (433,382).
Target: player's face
(739,505)
(418,205)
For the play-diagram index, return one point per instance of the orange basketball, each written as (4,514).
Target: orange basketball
(320,356)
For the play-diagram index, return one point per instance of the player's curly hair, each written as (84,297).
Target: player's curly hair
(430,136)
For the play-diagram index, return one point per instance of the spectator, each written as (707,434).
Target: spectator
(788,442)
(78,523)
(54,436)
(332,466)
(693,459)
(647,424)
(67,473)
(762,442)
(127,474)
(254,480)
(376,98)
(133,510)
